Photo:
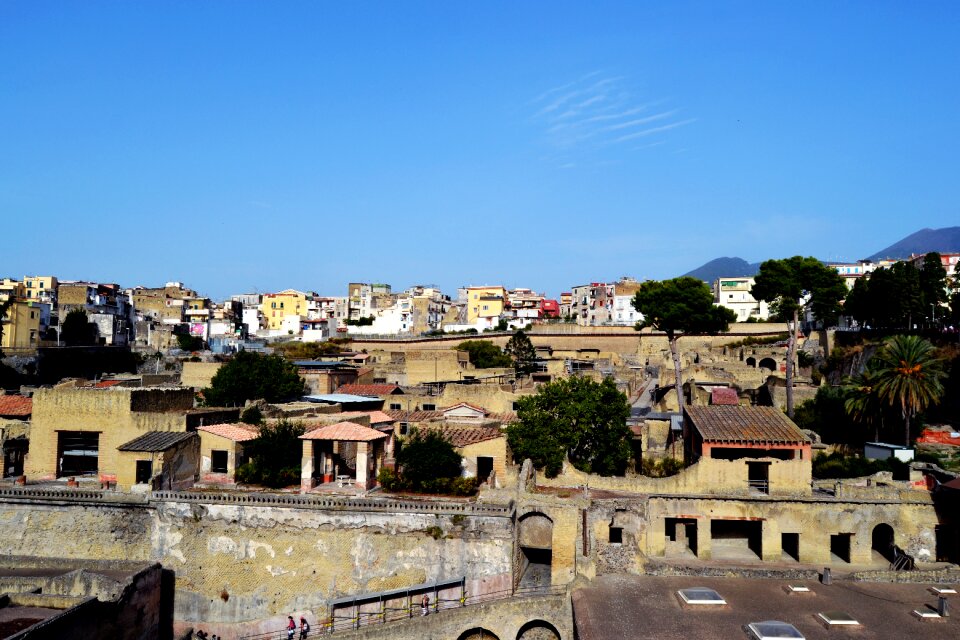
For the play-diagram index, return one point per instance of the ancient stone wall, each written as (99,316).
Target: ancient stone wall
(245,567)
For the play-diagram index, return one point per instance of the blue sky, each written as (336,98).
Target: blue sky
(255,145)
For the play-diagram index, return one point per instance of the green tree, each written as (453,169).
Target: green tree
(189,343)
(484,354)
(522,353)
(793,285)
(933,286)
(77,331)
(426,455)
(678,307)
(575,417)
(908,376)
(252,415)
(276,454)
(861,401)
(250,376)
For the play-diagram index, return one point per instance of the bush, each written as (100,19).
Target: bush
(252,415)
(662,468)
(275,453)
(483,354)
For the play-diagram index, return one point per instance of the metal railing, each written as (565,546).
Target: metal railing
(763,486)
(410,610)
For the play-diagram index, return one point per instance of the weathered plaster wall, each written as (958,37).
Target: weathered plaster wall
(246,568)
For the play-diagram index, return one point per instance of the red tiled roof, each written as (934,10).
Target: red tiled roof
(368,389)
(463,436)
(350,431)
(761,425)
(103,384)
(414,416)
(238,432)
(724,396)
(376,417)
(19,406)
(506,417)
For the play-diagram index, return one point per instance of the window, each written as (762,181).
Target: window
(429,407)
(616,535)
(394,406)
(218,461)
(144,471)
(516,405)
(404,427)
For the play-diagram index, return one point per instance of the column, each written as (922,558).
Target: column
(704,547)
(362,452)
(306,467)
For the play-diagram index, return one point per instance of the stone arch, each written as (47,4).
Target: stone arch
(767,363)
(478,633)
(538,630)
(882,540)
(535,549)
(751,361)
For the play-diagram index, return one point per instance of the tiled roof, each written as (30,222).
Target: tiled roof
(724,396)
(463,436)
(18,406)
(414,416)
(155,441)
(506,417)
(376,417)
(369,389)
(468,405)
(238,432)
(349,431)
(765,425)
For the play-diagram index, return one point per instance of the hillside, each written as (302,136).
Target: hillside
(946,240)
(724,268)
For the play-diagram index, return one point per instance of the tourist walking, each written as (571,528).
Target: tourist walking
(291,627)
(304,628)
(424,605)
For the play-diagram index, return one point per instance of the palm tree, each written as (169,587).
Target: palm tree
(862,402)
(907,375)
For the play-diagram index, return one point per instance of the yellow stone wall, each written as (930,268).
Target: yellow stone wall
(495,448)
(119,414)
(198,375)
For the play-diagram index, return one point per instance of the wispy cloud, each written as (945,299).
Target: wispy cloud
(598,111)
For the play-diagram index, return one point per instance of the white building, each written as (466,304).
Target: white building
(734,293)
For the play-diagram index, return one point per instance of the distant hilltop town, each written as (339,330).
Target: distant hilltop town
(163,317)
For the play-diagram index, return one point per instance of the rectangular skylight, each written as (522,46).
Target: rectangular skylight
(773,629)
(700,595)
(798,588)
(838,618)
(943,591)
(927,615)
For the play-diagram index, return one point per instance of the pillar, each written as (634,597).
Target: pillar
(363,449)
(306,467)
(771,544)
(704,546)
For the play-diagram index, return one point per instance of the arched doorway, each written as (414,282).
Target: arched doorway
(882,541)
(768,363)
(535,546)
(478,633)
(751,361)
(538,630)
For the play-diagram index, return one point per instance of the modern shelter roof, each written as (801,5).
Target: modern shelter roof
(745,425)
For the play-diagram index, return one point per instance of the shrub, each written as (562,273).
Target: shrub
(251,415)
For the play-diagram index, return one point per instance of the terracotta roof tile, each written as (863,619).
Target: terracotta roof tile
(745,425)
(16,406)
(238,431)
(376,417)
(463,436)
(369,389)
(349,431)
(414,416)
(724,396)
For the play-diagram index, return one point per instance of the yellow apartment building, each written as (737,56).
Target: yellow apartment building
(40,288)
(277,306)
(484,302)
(21,326)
